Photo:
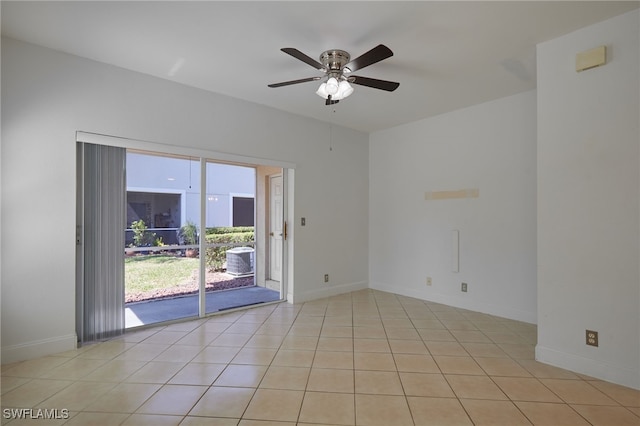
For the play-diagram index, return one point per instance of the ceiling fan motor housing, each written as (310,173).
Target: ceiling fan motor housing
(334,60)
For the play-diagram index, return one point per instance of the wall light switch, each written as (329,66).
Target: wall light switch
(303,221)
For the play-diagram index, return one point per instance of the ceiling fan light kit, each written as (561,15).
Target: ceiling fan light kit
(337,66)
(337,91)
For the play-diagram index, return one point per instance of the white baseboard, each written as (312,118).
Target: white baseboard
(38,348)
(320,293)
(456,302)
(589,367)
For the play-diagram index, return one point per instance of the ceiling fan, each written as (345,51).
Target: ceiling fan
(337,67)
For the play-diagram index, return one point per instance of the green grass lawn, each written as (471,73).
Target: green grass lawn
(157,271)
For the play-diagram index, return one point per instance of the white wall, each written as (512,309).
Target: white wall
(588,203)
(47,96)
(491,147)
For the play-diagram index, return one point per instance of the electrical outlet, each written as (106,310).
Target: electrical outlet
(326,278)
(592,338)
(463,287)
(428,280)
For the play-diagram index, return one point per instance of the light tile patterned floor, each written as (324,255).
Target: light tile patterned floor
(363,358)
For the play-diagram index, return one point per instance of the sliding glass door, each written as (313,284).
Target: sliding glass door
(161,255)
(230,236)
(189,237)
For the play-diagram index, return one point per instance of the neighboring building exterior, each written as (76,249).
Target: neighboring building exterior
(165,193)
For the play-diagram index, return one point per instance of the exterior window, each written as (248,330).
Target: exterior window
(243,211)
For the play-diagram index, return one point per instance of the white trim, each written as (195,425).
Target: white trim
(475,305)
(202,274)
(600,370)
(287,284)
(327,292)
(38,348)
(155,190)
(183,151)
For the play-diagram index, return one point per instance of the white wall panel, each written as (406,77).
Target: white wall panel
(588,202)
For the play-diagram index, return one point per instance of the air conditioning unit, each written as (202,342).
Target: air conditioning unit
(240,261)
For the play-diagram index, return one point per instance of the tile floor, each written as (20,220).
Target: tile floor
(363,358)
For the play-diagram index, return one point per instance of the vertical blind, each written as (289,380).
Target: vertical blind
(100,239)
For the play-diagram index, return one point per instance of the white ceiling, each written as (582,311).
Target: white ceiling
(447,54)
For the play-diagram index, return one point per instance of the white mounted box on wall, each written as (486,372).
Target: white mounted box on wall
(591,58)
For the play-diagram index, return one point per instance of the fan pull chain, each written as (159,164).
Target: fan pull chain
(331,134)
(331,137)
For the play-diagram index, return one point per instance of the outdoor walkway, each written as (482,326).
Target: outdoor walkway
(153,311)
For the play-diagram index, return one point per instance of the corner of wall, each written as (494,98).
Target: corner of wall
(324,292)
(607,371)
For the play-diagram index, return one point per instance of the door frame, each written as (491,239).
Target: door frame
(268,262)
(206,155)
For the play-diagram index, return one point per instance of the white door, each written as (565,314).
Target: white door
(276,220)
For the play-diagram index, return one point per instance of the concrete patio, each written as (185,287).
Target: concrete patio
(153,311)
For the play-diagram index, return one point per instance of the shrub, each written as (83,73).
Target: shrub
(142,237)
(229,230)
(188,234)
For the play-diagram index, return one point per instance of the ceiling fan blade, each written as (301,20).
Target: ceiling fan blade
(389,86)
(376,54)
(302,57)
(288,83)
